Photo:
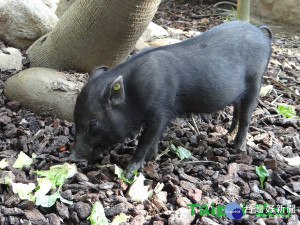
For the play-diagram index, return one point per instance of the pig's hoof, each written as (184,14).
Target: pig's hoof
(74,158)
(240,148)
(129,172)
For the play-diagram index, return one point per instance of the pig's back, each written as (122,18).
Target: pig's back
(220,65)
(204,73)
(213,70)
(232,41)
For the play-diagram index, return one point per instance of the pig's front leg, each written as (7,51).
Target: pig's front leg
(148,145)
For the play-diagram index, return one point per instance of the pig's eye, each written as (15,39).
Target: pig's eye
(93,126)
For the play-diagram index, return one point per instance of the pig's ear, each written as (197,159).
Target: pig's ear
(115,93)
(98,71)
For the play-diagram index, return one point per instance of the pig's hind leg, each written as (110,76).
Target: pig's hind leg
(244,111)
(235,118)
(153,152)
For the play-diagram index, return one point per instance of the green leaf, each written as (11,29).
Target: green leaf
(46,201)
(44,186)
(293,161)
(7,181)
(158,187)
(138,191)
(23,190)
(172,146)
(22,160)
(121,175)
(287,111)
(150,194)
(119,219)
(55,177)
(119,172)
(65,200)
(49,200)
(262,173)
(3,164)
(181,152)
(58,173)
(33,155)
(265,90)
(97,216)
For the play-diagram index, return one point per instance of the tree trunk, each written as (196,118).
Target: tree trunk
(92,33)
(62,6)
(243,10)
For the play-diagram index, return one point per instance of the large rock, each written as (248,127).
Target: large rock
(24,21)
(163,41)
(10,59)
(153,31)
(280,11)
(44,91)
(52,4)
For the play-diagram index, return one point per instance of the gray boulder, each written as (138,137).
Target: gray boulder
(52,4)
(10,59)
(286,12)
(163,41)
(24,21)
(44,91)
(153,31)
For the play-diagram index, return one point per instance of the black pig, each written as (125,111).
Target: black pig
(220,67)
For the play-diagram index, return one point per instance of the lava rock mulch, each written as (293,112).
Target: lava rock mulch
(229,178)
